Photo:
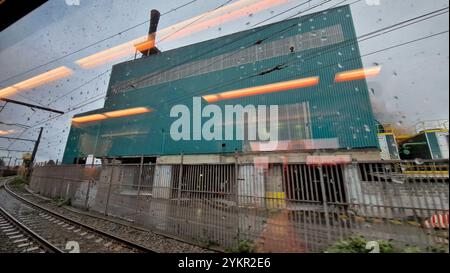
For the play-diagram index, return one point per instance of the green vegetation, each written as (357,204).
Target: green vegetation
(438,249)
(18,181)
(60,202)
(357,244)
(244,246)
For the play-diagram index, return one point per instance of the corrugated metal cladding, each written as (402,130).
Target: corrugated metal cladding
(321,44)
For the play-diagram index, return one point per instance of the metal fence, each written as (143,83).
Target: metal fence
(274,207)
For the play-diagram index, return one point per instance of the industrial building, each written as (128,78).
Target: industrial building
(303,65)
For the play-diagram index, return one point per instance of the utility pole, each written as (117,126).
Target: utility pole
(36,145)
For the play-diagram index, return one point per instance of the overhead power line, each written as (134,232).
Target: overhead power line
(92,44)
(32,106)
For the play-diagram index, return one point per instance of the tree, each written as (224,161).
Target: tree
(51,163)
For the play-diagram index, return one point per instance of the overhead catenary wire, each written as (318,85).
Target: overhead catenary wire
(287,78)
(96,99)
(367,54)
(134,83)
(93,44)
(346,43)
(268,36)
(222,45)
(313,7)
(165,37)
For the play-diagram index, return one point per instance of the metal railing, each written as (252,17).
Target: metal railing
(275,207)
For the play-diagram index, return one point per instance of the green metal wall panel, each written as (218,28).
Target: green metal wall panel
(340,111)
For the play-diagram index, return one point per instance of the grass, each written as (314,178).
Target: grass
(357,244)
(244,246)
(18,181)
(60,202)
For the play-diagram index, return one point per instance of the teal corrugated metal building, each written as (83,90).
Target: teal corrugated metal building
(321,44)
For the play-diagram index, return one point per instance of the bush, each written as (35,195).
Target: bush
(438,249)
(245,246)
(357,244)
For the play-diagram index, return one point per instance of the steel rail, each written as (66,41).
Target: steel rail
(46,245)
(88,227)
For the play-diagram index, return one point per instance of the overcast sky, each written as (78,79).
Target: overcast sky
(413,85)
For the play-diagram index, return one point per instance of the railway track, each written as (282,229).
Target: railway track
(16,237)
(28,227)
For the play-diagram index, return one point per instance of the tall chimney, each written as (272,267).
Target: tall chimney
(149,47)
(154,21)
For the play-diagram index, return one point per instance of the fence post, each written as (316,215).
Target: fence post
(139,185)
(236,180)
(109,188)
(325,202)
(180,179)
(87,195)
(89,183)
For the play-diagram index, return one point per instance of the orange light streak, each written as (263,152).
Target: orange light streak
(256,7)
(49,76)
(6,132)
(127,112)
(44,78)
(7,91)
(264,89)
(205,21)
(90,118)
(357,74)
(112,114)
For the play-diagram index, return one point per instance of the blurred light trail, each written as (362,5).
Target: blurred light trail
(179,30)
(264,89)
(127,112)
(112,114)
(7,91)
(256,7)
(90,118)
(357,74)
(6,132)
(49,76)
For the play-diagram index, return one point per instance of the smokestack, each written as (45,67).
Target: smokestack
(149,47)
(154,21)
